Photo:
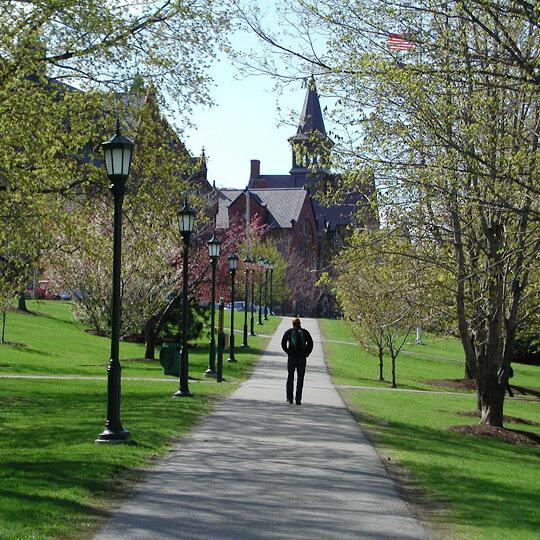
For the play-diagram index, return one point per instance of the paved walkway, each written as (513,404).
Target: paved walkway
(259,468)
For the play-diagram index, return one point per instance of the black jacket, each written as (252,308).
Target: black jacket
(286,342)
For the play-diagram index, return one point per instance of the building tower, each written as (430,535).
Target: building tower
(310,140)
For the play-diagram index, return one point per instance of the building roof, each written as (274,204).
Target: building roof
(283,205)
(225,199)
(273,181)
(311,118)
(329,218)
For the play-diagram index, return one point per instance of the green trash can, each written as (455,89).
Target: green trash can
(169,358)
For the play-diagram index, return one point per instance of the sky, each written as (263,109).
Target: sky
(244,125)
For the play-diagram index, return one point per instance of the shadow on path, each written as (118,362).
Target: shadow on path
(260,468)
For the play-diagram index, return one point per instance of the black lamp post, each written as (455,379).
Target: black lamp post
(247,265)
(233,265)
(260,267)
(214,247)
(252,266)
(266,273)
(118,151)
(271,268)
(186,222)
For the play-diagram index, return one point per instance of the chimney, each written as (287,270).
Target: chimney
(255,169)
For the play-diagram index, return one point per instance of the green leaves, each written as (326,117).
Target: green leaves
(50,132)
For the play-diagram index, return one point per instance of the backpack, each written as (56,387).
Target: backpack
(297,343)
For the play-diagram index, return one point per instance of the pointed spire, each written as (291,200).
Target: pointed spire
(202,163)
(311,118)
(311,138)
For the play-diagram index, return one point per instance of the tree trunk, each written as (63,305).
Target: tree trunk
(150,348)
(492,379)
(463,324)
(381,377)
(22,302)
(491,397)
(470,360)
(3,327)
(394,385)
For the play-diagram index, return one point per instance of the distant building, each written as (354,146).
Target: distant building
(288,214)
(307,171)
(287,203)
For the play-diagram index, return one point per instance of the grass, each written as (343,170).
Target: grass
(49,341)
(484,488)
(55,482)
(436,358)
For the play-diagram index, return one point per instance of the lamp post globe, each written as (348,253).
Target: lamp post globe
(186,220)
(117,153)
(214,249)
(232,261)
(186,224)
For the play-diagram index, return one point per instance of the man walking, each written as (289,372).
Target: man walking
(298,344)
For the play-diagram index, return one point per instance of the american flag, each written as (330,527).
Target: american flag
(397,42)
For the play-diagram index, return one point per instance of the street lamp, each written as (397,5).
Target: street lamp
(266,272)
(186,223)
(271,268)
(252,265)
(117,151)
(233,265)
(260,267)
(247,265)
(214,247)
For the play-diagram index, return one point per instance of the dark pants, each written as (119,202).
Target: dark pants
(298,364)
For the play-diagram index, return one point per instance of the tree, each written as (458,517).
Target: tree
(300,276)
(381,296)
(162,175)
(450,131)
(100,43)
(233,240)
(65,69)
(6,298)
(86,272)
(269,248)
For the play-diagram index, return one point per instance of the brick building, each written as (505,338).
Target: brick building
(287,203)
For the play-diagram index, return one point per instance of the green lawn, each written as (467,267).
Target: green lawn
(55,482)
(487,489)
(48,341)
(436,358)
